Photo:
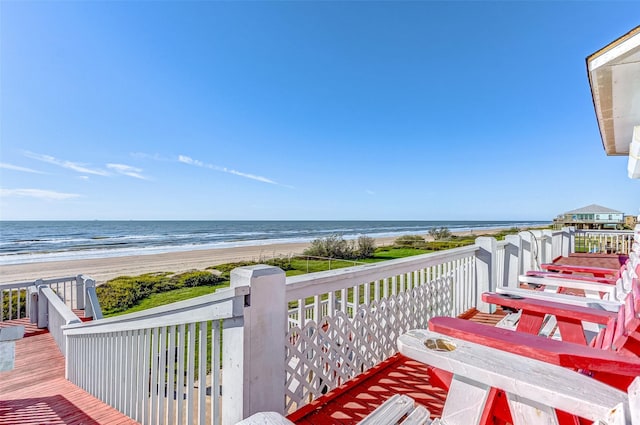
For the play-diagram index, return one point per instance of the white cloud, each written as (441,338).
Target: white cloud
(80,168)
(18,168)
(127,170)
(191,161)
(188,160)
(48,195)
(143,155)
(370,192)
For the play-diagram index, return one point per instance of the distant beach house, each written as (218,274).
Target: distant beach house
(591,217)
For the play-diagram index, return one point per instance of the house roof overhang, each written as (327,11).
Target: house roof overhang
(614,77)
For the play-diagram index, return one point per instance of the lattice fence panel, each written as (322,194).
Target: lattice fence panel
(321,356)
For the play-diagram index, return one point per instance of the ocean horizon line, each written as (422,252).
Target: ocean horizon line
(26,242)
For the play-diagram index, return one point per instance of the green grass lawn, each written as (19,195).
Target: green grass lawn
(293,267)
(155,300)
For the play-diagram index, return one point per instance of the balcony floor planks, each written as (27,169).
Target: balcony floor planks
(36,391)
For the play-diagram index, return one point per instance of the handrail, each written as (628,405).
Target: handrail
(175,313)
(93,304)
(59,315)
(15,285)
(624,232)
(55,280)
(308,285)
(65,312)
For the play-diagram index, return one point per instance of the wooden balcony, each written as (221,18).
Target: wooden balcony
(340,345)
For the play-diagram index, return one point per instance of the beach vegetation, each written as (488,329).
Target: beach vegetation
(332,246)
(335,246)
(393,252)
(284,263)
(365,246)
(224,270)
(122,293)
(440,233)
(409,241)
(10,304)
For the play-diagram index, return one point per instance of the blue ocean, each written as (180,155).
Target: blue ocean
(35,241)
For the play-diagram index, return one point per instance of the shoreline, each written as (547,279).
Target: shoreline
(104,269)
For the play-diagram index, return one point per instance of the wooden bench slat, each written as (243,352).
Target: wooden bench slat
(544,349)
(391,411)
(419,416)
(529,379)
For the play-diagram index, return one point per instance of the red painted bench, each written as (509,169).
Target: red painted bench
(569,317)
(606,366)
(606,280)
(595,271)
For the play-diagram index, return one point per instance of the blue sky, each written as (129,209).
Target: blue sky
(304,110)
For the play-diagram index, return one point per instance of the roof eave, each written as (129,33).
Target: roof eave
(599,65)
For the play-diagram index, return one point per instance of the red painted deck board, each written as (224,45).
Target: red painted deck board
(36,392)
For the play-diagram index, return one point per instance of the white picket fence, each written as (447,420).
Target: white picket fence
(605,241)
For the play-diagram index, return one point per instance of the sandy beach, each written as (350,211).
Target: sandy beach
(103,269)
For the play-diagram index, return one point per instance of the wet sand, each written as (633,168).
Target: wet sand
(103,269)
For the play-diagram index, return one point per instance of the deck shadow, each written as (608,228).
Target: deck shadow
(42,410)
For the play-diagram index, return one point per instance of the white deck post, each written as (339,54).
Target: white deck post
(32,293)
(254,354)
(511,261)
(634,401)
(568,238)
(547,243)
(80,292)
(43,306)
(88,307)
(529,251)
(557,244)
(486,273)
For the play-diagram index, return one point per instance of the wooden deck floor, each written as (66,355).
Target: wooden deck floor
(36,392)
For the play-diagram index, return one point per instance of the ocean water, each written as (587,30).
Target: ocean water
(35,241)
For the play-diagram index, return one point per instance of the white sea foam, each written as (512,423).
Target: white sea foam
(67,247)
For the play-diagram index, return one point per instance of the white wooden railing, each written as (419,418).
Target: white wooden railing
(57,315)
(343,322)
(16,301)
(161,365)
(316,295)
(69,289)
(605,241)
